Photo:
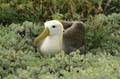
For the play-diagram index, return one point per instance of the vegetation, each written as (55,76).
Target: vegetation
(19,60)
(18,11)
(21,21)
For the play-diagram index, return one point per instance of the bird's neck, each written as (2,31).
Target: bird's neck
(55,39)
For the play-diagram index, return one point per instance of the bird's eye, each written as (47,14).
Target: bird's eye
(53,26)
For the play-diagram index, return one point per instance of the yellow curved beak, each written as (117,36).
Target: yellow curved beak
(40,37)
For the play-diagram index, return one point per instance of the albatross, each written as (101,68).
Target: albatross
(55,38)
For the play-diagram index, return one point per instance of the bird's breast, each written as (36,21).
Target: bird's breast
(51,45)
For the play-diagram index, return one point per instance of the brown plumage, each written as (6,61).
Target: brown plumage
(73,37)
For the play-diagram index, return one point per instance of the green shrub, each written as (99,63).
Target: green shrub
(19,60)
(103,32)
(19,11)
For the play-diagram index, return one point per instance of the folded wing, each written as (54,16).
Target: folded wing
(73,37)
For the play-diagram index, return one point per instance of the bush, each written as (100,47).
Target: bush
(19,11)
(19,60)
(103,32)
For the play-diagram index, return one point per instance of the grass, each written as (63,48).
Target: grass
(19,60)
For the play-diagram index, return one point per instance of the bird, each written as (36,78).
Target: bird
(74,36)
(60,35)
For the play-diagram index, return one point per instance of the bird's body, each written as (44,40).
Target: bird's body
(53,39)
(51,45)
(73,37)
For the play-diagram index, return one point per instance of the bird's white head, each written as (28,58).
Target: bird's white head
(52,28)
(55,27)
